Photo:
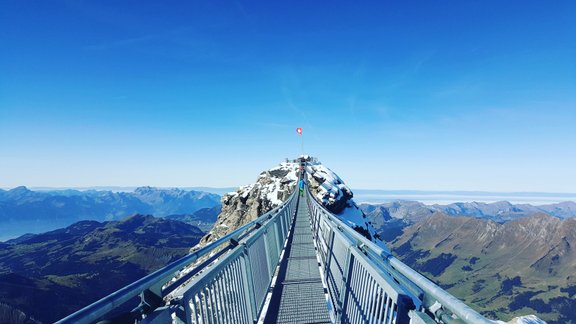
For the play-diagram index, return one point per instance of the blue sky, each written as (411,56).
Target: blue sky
(430,95)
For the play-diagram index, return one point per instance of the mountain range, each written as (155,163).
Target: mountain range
(526,265)
(389,218)
(501,211)
(503,259)
(44,277)
(23,210)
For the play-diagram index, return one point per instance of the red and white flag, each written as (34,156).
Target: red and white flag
(299,130)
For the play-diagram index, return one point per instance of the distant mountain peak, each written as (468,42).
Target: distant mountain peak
(19,189)
(146,189)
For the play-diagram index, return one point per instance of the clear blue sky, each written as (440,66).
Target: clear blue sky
(432,95)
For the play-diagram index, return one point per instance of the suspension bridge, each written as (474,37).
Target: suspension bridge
(298,263)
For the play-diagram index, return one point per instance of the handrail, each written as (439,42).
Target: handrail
(162,276)
(382,256)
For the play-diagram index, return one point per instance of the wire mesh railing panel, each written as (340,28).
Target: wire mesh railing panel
(221,298)
(368,301)
(322,236)
(272,249)
(260,273)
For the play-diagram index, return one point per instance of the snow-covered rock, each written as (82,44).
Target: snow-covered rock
(327,187)
(248,202)
(330,191)
(529,319)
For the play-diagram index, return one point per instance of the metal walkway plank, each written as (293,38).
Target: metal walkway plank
(298,296)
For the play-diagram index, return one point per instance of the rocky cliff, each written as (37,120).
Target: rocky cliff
(329,190)
(248,202)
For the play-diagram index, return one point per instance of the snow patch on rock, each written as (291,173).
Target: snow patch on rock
(528,319)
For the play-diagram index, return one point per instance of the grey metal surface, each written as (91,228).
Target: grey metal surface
(302,298)
(303,303)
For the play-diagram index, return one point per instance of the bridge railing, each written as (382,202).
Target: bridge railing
(366,284)
(229,286)
(235,288)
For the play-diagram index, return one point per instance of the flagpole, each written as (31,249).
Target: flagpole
(299,131)
(302,143)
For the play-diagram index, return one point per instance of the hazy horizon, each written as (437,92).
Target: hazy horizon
(376,190)
(378,196)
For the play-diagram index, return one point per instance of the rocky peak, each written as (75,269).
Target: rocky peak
(330,191)
(153,191)
(18,193)
(272,187)
(22,195)
(20,189)
(327,187)
(536,226)
(145,190)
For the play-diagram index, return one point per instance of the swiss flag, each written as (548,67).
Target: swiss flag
(299,130)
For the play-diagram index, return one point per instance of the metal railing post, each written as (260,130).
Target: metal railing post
(249,280)
(345,285)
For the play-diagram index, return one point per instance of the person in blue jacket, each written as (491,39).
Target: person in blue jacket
(301,185)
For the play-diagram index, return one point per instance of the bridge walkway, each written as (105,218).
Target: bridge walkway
(298,296)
